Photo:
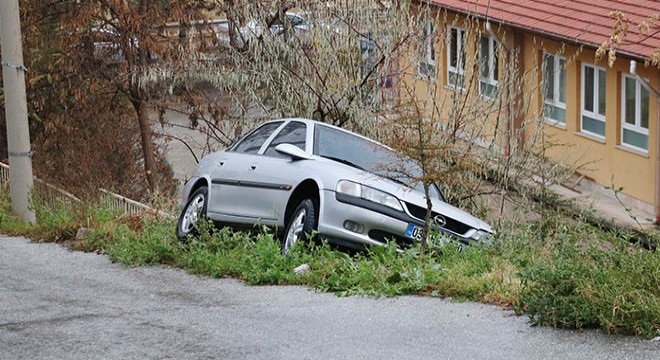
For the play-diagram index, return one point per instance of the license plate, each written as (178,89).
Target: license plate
(434,237)
(414,232)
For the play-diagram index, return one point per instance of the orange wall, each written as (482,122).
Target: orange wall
(605,161)
(480,117)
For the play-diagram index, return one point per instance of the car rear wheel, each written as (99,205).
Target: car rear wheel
(194,210)
(303,223)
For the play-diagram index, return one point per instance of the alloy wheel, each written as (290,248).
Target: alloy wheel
(191,216)
(295,230)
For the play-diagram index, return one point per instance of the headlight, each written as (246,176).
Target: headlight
(368,193)
(349,188)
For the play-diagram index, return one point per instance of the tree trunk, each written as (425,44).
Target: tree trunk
(147,145)
(427,219)
(138,98)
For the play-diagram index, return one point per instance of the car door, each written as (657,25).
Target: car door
(272,175)
(229,195)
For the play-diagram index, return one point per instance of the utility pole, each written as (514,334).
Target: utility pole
(18,134)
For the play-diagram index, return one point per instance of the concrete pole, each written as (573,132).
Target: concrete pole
(18,134)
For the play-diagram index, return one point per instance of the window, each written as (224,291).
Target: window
(635,114)
(252,143)
(289,20)
(554,88)
(364,154)
(294,133)
(427,60)
(488,66)
(593,100)
(456,58)
(295,20)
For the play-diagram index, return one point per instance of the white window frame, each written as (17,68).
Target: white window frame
(460,62)
(637,127)
(556,84)
(584,112)
(493,46)
(427,59)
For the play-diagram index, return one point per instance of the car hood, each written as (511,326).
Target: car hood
(415,197)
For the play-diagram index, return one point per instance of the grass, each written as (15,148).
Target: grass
(558,271)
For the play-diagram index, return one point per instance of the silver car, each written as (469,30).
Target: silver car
(308,177)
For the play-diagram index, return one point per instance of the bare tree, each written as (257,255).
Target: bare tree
(647,28)
(126,38)
(359,67)
(479,134)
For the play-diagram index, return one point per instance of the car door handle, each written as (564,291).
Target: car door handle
(220,163)
(253,167)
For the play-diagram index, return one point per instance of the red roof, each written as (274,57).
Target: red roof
(579,21)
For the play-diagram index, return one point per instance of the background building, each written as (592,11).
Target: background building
(539,59)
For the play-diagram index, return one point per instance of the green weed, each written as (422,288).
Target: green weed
(577,283)
(559,271)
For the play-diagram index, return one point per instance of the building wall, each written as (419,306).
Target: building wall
(475,114)
(606,161)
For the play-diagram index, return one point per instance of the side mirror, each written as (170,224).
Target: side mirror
(293,151)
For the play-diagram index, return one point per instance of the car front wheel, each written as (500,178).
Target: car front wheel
(194,210)
(303,223)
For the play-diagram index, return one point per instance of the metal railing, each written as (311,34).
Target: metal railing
(4,173)
(128,206)
(52,195)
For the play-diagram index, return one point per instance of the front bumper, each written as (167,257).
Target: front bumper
(369,223)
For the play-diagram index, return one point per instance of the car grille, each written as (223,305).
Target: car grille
(384,237)
(452,225)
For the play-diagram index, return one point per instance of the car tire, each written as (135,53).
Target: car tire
(303,222)
(194,210)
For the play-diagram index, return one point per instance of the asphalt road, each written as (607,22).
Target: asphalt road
(59,304)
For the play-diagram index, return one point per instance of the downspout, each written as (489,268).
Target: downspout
(507,132)
(656,94)
(510,126)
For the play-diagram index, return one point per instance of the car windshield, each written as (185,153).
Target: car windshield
(367,155)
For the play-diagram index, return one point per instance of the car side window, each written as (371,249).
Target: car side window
(295,20)
(252,143)
(293,133)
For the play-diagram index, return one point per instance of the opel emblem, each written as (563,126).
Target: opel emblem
(439,221)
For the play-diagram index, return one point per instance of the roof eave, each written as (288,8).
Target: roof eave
(549,35)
